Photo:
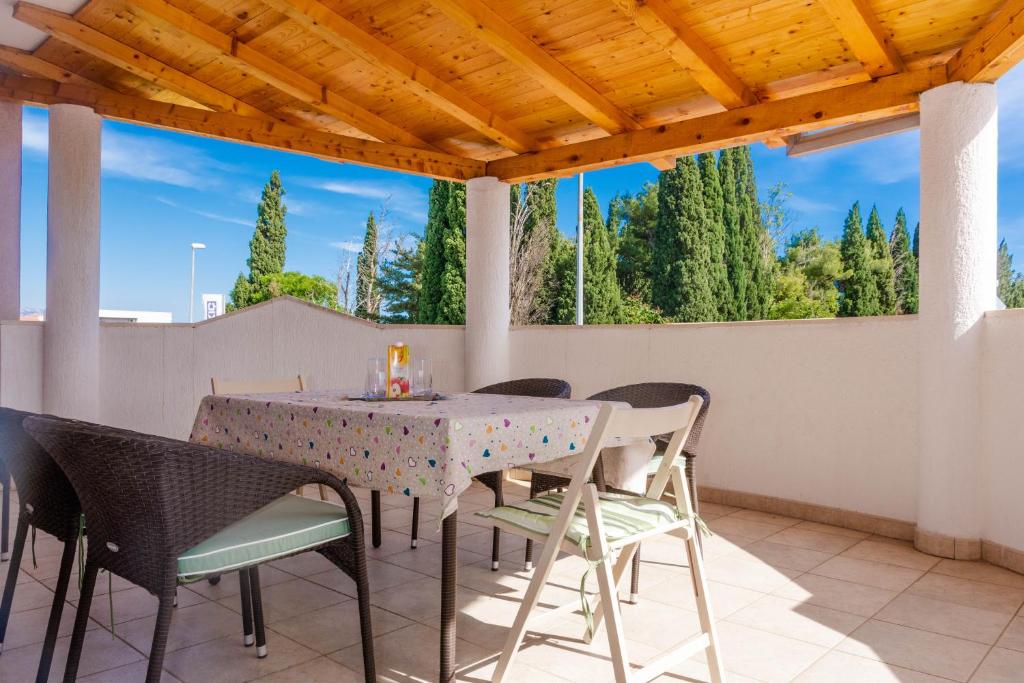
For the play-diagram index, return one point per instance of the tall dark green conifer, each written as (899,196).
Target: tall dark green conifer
(400,282)
(442,298)
(735,261)
(634,248)
(714,204)
(904,266)
(602,302)
(882,264)
(433,252)
(859,295)
(681,260)
(760,272)
(917,242)
(367,296)
(267,246)
(563,282)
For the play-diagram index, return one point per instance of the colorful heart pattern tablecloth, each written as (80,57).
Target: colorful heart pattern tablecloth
(416,448)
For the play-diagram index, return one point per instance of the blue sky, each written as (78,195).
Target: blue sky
(164,190)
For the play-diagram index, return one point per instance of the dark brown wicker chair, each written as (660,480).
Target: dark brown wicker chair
(148,499)
(47,502)
(645,395)
(539,387)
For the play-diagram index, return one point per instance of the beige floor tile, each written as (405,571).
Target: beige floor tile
(765,518)
(132,673)
(899,554)
(381,575)
(764,656)
(830,529)
(31,595)
(922,651)
(694,671)
(29,626)
(1000,666)
(303,564)
(799,620)
(23,576)
(134,603)
(321,670)
(752,574)
(869,573)
(481,672)
(716,509)
(1013,636)
(104,584)
(427,559)
(226,660)
(656,624)
(840,667)
(189,626)
(291,598)
(392,542)
(844,596)
(333,628)
(100,652)
(959,621)
(720,546)
(980,571)
(813,540)
(481,542)
(787,556)
(228,584)
(971,593)
(732,525)
(418,600)
(565,653)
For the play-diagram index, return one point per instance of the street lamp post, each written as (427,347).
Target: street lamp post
(192,286)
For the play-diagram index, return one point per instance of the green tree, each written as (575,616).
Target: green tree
(1010,282)
(640,214)
(904,266)
(267,246)
(542,214)
(806,285)
(367,295)
(735,261)
(636,312)
(859,295)
(882,264)
(241,293)
(681,260)
(757,249)
(563,282)
(714,204)
(917,242)
(602,302)
(314,288)
(443,295)
(400,282)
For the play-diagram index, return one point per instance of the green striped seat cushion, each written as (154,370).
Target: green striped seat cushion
(623,516)
(289,524)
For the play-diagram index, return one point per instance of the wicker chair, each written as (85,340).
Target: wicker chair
(539,387)
(46,501)
(645,395)
(148,500)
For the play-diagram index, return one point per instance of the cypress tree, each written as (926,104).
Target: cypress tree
(735,263)
(917,242)
(904,266)
(759,284)
(367,300)
(602,301)
(433,252)
(451,308)
(563,282)
(714,204)
(681,260)
(859,296)
(267,246)
(882,264)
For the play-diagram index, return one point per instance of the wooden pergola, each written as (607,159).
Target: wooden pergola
(460,89)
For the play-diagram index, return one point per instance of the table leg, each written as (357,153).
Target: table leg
(6,515)
(375,517)
(449,589)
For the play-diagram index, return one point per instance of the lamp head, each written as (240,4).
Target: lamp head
(198,245)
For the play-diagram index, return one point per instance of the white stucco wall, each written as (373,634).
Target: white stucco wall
(21,365)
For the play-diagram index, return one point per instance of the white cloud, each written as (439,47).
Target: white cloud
(205,214)
(367,190)
(808,205)
(401,199)
(348,245)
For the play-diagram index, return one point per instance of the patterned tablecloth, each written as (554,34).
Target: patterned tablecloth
(418,448)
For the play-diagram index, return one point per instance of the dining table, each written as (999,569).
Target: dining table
(428,448)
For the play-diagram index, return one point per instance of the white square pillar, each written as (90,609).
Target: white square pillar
(487,282)
(10,210)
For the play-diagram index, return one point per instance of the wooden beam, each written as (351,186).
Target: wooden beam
(882,98)
(689,50)
(867,39)
(993,50)
(67,29)
(28,64)
(501,36)
(833,138)
(317,18)
(229,126)
(273,73)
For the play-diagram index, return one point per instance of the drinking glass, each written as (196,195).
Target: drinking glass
(422,377)
(376,378)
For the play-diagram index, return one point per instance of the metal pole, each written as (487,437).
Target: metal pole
(192,288)
(579,251)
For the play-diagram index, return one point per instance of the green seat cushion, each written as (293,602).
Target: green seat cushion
(623,516)
(655,463)
(289,524)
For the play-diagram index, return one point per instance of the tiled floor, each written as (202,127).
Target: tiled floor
(795,601)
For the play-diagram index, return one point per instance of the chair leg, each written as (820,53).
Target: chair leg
(499,500)
(618,571)
(375,518)
(5,517)
(414,534)
(323,491)
(257,612)
(634,580)
(163,628)
(67,562)
(12,577)
(608,584)
(365,626)
(248,637)
(528,562)
(82,621)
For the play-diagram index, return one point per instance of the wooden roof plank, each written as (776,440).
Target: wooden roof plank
(887,96)
(30,65)
(275,74)
(864,34)
(320,19)
(993,50)
(243,129)
(65,28)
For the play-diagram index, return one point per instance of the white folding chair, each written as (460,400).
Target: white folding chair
(275,385)
(605,529)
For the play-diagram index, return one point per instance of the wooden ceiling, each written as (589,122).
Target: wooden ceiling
(519,89)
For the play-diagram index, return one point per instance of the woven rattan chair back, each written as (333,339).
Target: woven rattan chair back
(539,387)
(661,395)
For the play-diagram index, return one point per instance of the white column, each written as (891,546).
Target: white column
(958,284)
(487,282)
(72,333)
(10,210)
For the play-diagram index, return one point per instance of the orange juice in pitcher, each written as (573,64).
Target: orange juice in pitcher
(398,370)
